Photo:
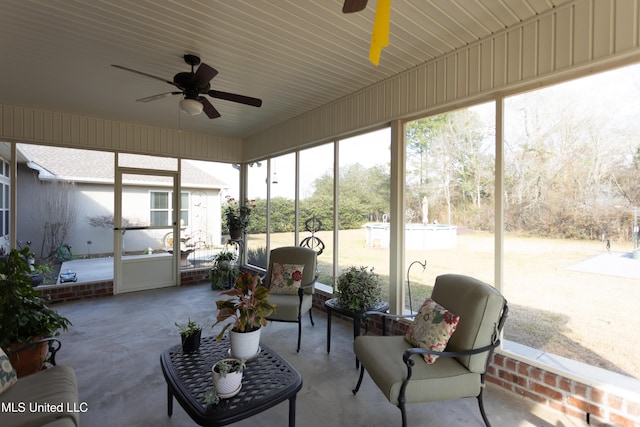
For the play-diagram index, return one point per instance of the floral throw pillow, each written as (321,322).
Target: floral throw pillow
(432,328)
(286,278)
(8,375)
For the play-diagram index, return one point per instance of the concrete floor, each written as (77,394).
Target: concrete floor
(115,345)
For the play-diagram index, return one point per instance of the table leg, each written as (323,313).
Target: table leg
(169,401)
(329,330)
(292,411)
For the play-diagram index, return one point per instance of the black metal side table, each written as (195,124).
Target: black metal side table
(332,305)
(266,382)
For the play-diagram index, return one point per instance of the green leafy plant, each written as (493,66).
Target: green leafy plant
(227,366)
(190,328)
(24,314)
(225,255)
(248,306)
(358,288)
(237,216)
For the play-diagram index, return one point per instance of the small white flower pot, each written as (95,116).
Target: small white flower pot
(227,385)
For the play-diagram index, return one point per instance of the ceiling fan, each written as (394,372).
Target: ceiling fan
(380,33)
(193,85)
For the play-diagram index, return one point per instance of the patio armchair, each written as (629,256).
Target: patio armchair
(401,371)
(292,297)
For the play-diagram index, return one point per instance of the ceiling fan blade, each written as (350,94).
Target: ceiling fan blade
(144,74)
(203,75)
(208,109)
(255,102)
(351,6)
(159,96)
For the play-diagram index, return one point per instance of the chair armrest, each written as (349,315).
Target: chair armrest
(366,314)
(302,289)
(408,354)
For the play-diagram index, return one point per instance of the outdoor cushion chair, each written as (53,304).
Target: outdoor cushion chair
(291,277)
(401,371)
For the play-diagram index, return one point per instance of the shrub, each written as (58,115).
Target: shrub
(359,288)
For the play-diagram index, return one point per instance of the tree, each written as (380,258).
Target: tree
(56,212)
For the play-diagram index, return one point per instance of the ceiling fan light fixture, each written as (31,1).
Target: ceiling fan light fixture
(191,106)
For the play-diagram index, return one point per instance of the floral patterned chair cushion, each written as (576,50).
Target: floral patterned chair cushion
(432,328)
(8,375)
(286,278)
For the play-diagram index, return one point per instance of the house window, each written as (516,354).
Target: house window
(160,208)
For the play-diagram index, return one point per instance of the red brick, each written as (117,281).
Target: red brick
(598,396)
(507,376)
(565,384)
(531,396)
(498,359)
(566,410)
(523,369)
(584,406)
(511,365)
(551,379)
(614,402)
(580,390)
(536,374)
(622,421)
(546,391)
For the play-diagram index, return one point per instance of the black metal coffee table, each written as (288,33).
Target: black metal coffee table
(267,381)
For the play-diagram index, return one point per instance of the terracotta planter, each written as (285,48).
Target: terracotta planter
(30,359)
(245,345)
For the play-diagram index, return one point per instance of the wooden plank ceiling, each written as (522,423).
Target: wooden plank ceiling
(295,55)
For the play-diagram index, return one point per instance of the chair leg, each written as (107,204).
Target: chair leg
(401,401)
(482,412)
(299,333)
(311,317)
(355,390)
(403,412)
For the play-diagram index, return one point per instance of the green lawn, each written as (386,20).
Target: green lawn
(561,311)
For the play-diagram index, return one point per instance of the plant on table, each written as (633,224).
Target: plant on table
(228,366)
(227,377)
(248,306)
(358,288)
(190,334)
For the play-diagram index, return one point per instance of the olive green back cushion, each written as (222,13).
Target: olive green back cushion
(293,255)
(479,306)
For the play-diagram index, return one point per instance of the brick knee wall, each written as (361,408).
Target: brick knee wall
(595,405)
(78,291)
(592,404)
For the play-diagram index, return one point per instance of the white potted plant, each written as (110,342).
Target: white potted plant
(227,377)
(250,309)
